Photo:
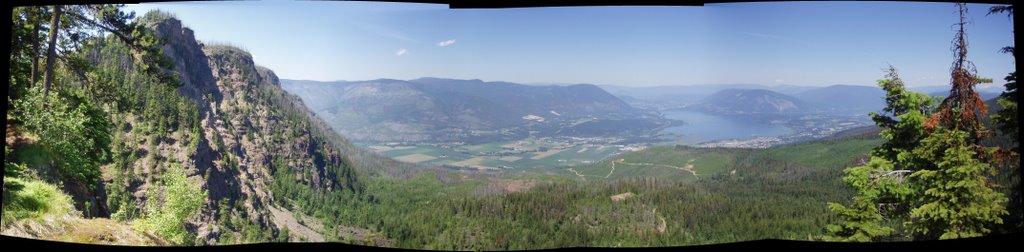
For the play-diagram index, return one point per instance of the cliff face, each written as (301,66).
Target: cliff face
(247,128)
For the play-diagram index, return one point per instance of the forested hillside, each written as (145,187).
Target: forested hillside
(128,130)
(757,194)
(189,150)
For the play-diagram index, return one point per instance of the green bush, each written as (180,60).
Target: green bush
(171,205)
(75,132)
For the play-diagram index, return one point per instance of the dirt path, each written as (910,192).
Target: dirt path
(284,218)
(663,225)
(613,168)
(578,174)
(689,166)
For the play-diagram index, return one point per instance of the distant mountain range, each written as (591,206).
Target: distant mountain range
(751,101)
(442,110)
(726,99)
(436,109)
(672,92)
(845,98)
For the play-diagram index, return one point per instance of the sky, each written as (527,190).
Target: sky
(779,43)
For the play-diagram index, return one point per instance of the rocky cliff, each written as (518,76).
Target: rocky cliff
(248,129)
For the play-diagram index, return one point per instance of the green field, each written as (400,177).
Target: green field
(704,162)
(574,156)
(666,162)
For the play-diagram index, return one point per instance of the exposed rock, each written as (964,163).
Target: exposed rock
(246,122)
(621,196)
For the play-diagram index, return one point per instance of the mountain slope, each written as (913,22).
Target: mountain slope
(751,101)
(685,94)
(845,98)
(214,153)
(434,109)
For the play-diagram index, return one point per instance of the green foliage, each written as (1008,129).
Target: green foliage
(956,201)
(863,220)
(71,128)
(11,170)
(878,181)
(237,227)
(770,197)
(947,195)
(171,205)
(902,125)
(1007,118)
(26,28)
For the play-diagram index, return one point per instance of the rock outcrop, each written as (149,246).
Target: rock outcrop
(248,127)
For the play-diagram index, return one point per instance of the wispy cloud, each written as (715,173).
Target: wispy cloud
(446,43)
(401,52)
(776,37)
(385,32)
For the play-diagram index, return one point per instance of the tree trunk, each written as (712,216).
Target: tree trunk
(35,47)
(14,35)
(51,51)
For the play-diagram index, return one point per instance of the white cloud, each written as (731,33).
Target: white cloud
(446,42)
(402,52)
(779,81)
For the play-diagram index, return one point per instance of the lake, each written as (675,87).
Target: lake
(702,127)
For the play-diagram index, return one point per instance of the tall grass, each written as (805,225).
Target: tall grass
(27,199)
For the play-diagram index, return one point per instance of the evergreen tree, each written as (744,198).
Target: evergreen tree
(881,192)
(72,26)
(1007,118)
(956,199)
(947,194)
(1008,157)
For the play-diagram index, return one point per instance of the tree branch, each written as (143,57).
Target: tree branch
(128,40)
(76,70)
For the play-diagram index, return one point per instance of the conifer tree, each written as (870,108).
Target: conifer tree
(947,194)
(956,200)
(881,192)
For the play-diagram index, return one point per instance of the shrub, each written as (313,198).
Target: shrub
(75,132)
(171,204)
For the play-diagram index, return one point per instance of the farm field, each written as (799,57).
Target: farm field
(526,154)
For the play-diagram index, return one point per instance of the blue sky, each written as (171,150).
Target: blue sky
(794,43)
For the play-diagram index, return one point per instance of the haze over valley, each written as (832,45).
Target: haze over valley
(429,126)
(477,125)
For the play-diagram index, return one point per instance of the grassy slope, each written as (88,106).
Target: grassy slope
(36,209)
(708,162)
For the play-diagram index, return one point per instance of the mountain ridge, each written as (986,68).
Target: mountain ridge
(438,109)
(751,101)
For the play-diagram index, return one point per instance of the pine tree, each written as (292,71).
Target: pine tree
(1007,122)
(881,192)
(1007,118)
(956,198)
(72,26)
(947,194)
